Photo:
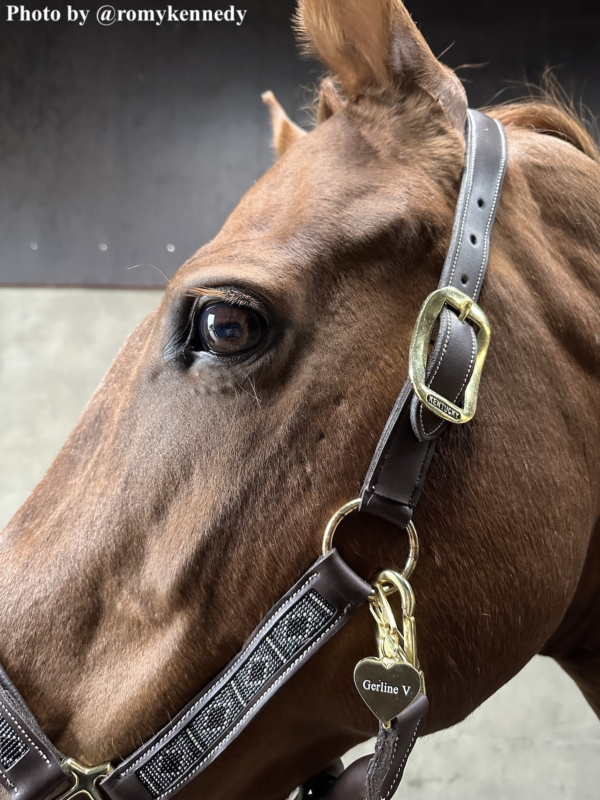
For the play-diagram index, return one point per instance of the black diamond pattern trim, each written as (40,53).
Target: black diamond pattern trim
(12,747)
(260,667)
(296,627)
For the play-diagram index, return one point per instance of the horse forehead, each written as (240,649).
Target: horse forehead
(343,185)
(319,177)
(323,191)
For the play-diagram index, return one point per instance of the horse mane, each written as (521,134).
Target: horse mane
(551,111)
(548,109)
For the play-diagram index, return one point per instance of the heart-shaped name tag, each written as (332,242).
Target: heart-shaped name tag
(386,690)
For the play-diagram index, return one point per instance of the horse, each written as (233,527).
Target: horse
(240,414)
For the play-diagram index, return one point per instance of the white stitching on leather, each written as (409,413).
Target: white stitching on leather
(31,742)
(439,364)
(486,242)
(8,780)
(473,132)
(473,352)
(493,208)
(154,749)
(259,699)
(426,432)
(391,759)
(412,494)
(404,760)
(443,353)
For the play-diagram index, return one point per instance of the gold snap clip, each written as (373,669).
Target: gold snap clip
(389,684)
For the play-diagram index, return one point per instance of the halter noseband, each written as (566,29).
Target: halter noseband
(441,389)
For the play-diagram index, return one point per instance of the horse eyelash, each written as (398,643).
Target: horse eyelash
(229,294)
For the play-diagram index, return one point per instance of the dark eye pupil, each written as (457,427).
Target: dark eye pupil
(226,329)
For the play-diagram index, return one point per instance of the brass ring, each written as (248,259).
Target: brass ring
(413,551)
(413,542)
(388,586)
(335,520)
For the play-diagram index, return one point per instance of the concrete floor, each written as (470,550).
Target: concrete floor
(536,739)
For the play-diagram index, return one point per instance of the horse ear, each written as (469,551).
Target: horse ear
(329,102)
(285,132)
(375,44)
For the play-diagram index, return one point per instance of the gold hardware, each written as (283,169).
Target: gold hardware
(419,348)
(465,309)
(392,645)
(389,683)
(389,639)
(353,505)
(388,587)
(86,780)
(413,552)
(389,636)
(335,520)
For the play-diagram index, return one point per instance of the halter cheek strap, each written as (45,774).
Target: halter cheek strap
(397,473)
(327,595)
(378,776)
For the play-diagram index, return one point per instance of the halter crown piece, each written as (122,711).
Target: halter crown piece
(441,390)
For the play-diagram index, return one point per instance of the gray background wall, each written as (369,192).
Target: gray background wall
(136,137)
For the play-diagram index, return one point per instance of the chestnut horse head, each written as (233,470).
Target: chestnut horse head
(238,416)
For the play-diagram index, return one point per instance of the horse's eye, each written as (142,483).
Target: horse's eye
(228,330)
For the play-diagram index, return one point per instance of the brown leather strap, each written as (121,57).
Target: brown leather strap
(295,628)
(378,776)
(397,472)
(30,767)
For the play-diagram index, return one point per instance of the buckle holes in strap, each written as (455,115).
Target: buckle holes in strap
(464,280)
(473,239)
(480,202)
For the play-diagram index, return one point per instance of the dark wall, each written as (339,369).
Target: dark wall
(118,143)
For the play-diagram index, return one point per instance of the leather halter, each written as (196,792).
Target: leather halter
(327,595)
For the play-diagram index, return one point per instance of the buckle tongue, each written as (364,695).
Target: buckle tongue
(419,350)
(86,780)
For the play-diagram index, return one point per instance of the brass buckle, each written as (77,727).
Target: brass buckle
(86,780)
(419,349)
